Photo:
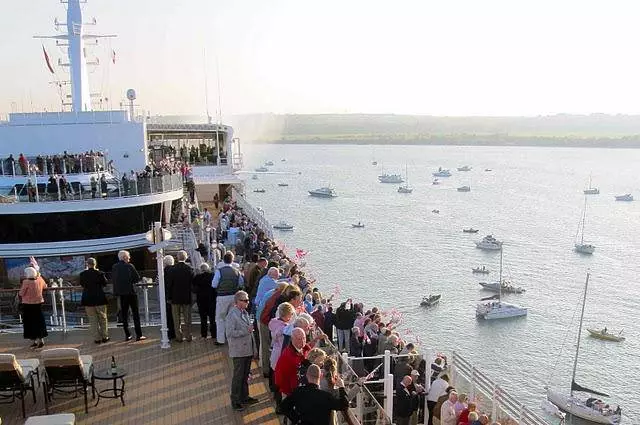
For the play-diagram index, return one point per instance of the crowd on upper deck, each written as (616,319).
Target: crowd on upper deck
(64,163)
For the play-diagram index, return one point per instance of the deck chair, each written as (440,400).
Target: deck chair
(17,379)
(67,372)
(59,419)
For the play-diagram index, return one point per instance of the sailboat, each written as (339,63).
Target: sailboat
(494,308)
(591,409)
(591,190)
(581,247)
(405,187)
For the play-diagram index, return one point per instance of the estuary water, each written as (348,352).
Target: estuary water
(531,199)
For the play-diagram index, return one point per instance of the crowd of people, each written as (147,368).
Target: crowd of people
(64,163)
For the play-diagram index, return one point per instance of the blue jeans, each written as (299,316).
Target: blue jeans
(344,335)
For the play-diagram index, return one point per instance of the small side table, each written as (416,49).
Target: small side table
(114,392)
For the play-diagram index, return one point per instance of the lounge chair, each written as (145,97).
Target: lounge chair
(60,419)
(67,372)
(16,378)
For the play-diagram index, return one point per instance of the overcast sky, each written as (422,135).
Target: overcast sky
(444,57)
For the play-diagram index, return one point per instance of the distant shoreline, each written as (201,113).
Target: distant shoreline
(559,142)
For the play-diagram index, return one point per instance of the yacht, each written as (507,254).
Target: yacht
(506,287)
(493,308)
(464,168)
(579,245)
(625,198)
(323,192)
(87,180)
(489,243)
(464,189)
(442,173)
(283,225)
(591,190)
(261,169)
(390,178)
(405,188)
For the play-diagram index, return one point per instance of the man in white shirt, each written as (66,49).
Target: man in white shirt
(447,411)
(437,390)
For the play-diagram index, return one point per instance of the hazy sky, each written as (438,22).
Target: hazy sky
(444,57)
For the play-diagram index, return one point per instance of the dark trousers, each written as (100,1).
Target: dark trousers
(431,405)
(207,310)
(126,302)
(170,326)
(239,384)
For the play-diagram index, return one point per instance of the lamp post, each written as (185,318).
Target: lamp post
(159,237)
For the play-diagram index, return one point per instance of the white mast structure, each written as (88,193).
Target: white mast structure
(75,43)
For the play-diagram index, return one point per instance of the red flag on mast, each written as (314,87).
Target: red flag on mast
(46,58)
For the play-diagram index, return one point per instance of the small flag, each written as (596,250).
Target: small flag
(113,56)
(46,58)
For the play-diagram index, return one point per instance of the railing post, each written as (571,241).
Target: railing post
(472,384)
(64,313)
(387,362)
(54,303)
(145,290)
(388,396)
(81,169)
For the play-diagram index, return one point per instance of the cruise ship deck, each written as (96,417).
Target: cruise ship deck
(186,384)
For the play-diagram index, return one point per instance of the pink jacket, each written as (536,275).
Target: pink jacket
(31,291)
(276,326)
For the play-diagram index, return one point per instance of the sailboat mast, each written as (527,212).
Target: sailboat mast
(584,216)
(575,362)
(500,279)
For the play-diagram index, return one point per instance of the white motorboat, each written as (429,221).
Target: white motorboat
(487,169)
(390,178)
(591,190)
(489,243)
(493,308)
(625,198)
(283,225)
(431,300)
(323,192)
(481,270)
(268,164)
(590,408)
(442,173)
(283,160)
(261,169)
(464,189)
(580,246)
(464,168)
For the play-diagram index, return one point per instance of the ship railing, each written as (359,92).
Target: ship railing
(254,215)
(489,396)
(47,191)
(74,164)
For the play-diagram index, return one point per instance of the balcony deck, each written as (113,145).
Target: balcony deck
(186,384)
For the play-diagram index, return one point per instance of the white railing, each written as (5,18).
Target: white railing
(254,215)
(498,400)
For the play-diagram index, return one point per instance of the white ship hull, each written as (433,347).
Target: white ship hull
(576,407)
(585,248)
(499,310)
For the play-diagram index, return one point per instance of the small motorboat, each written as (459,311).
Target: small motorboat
(254,177)
(323,192)
(464,168)
(431,300)
(390,178)
(374,162)
(470,230)
(464,189)
(506,288)
(283,225)
(488,169)
(481,270)
(405,189)
(262,169)
(435,211)
(283,160)
(435,182)
(357,225)
(604,334)
(442,173)
(259,191)
(268,164)
(625,198)
(283,184)
(489,243)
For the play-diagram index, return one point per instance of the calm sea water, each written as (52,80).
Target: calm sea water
(532,200)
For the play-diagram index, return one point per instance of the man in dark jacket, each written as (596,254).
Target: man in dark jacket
(94,300)
(206,299)
(180,284)
(345,316)
(406,401)
(124,276)
(309,405)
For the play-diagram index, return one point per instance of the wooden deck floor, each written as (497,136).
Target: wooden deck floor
(186,384)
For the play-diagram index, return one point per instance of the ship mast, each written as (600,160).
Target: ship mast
(575,362)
